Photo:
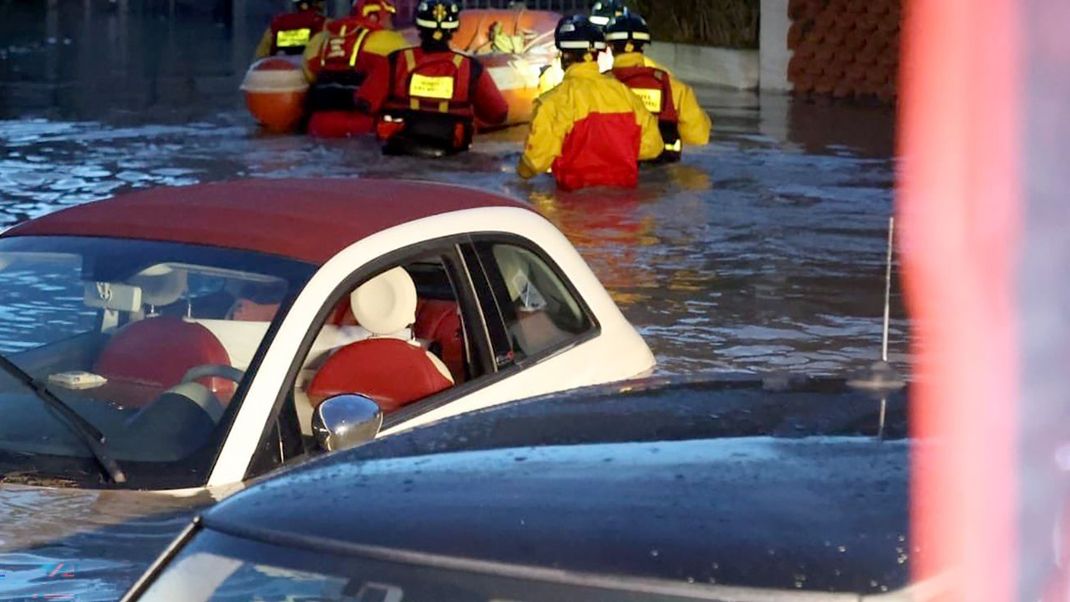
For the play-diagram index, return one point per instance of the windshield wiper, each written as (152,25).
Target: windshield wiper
(89,434)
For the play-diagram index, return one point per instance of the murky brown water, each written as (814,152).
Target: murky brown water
(763,251)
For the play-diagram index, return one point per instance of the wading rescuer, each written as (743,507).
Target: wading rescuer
(339,59)
(602,13)
(290,32)
(591,129)
(430,96)
(680,118)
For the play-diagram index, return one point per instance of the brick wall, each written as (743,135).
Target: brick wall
(844,48)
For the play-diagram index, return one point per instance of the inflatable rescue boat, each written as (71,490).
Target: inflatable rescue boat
(513,45)
(275,90)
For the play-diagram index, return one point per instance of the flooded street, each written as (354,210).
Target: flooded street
(761,252)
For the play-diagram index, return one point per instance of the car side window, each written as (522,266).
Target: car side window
(538,310)
(398,337)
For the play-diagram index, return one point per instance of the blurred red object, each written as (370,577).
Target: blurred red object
(959,206)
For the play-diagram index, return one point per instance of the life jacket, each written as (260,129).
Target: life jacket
(654,87)
(337,76)
(431,99)
(290,32)
(344,40)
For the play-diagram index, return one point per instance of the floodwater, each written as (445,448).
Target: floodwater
(762,252)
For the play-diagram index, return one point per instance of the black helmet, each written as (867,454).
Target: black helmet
(605,11)
(577,33)
(628,27)
(435,15)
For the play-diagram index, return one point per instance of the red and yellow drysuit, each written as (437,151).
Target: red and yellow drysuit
(337,62)
(289,33)
(680,118)
(432,98)
(592,130)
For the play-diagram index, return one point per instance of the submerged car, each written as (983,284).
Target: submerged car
(182,338)
(732,491)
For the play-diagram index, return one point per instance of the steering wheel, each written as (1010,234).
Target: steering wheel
(184,416)
(209,370)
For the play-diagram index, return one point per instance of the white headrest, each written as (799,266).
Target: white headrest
(160,285)
(385,304)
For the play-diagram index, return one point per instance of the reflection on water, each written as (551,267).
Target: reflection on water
(763,251)
(41,303)
(67,544)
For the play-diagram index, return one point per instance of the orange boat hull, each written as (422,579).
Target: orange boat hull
(275,88)
(275,91)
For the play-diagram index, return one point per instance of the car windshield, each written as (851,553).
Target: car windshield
(218,567)
(149,342)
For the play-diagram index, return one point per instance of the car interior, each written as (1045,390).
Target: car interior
(151,359)
(171,343)
(409,323)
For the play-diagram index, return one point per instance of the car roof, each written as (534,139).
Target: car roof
(728,483)
(306,219)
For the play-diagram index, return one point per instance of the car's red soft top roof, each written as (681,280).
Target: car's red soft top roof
(309,220)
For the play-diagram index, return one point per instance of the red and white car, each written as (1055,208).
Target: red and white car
(179,338)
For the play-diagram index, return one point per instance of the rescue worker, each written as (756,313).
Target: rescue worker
(602,12)
(431,96)
(605,11)
(339,59)
(290,32)
(680,118)
(591,129)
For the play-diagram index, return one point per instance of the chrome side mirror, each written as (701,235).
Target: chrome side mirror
(343,421)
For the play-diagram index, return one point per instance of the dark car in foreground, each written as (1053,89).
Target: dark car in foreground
(738,490)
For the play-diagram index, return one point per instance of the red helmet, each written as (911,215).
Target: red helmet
(372,11)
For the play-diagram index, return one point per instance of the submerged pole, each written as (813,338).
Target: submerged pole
(887,290)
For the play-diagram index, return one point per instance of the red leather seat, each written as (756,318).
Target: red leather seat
(391,371)
(155,353)
(440,321)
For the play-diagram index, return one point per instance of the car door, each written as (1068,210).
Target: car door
(447,323)
(607,348)
(534,317)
